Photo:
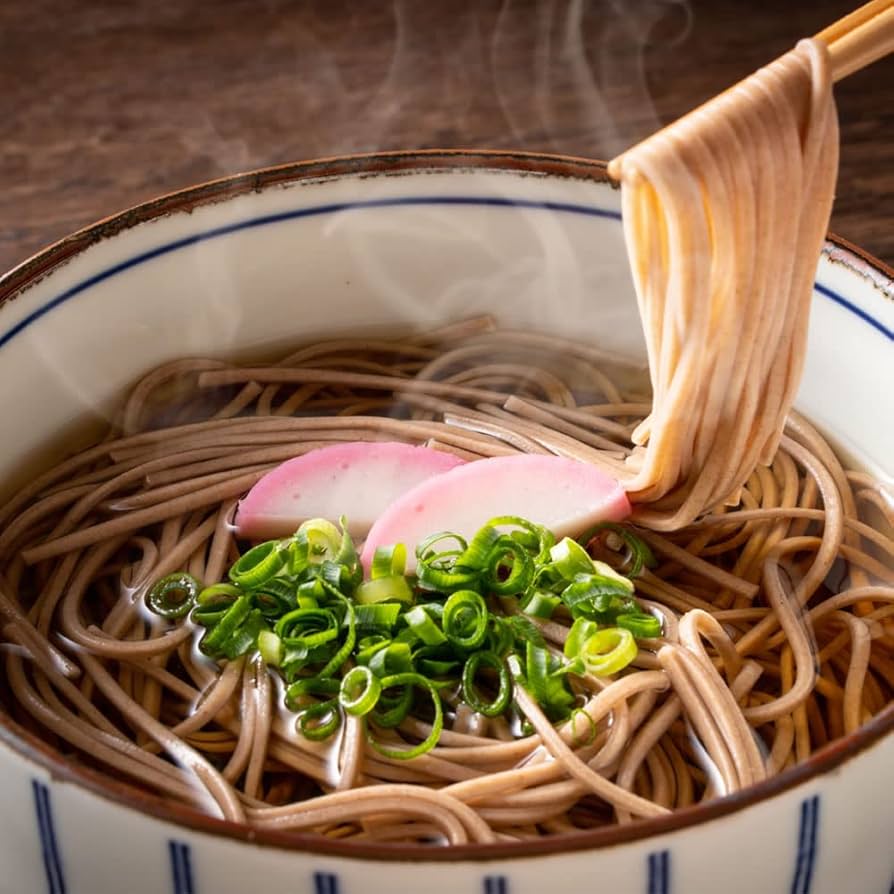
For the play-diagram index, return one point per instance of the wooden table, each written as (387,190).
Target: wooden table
(106,103)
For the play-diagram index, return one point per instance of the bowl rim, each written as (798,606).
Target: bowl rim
(32,748)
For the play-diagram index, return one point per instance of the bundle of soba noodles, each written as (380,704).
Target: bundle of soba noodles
(725,212)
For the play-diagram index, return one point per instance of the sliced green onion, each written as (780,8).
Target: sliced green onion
(308,627)
(347,556)
(360,691)
(523,630)
(377,617)
(639,554)
(536,539)
(212,603)
(516,669)
(421,623)
(608,651)
(642,626)
(436,667)
(540,604)
(392,708)
(318,722)
(299,694)
(297,552)
(364,647)
(344,651)
(245,637)
(476,553)
(323,539)
(470,693)
(598,597)
(310,593)
(395,658)
(393,588)
(437,570)
(258,565)
(465,619)
(332,576)
(370,646)
(527,728)
(501,636)
(570,558)
(389,561)
(440,580)
(608,575)
(271,648)
(275,597)
(508,568)
(215,640)
(425,551)
(581,630)
(294,660)
(547,682)
(592,729)
(413,679)
(173,596)
(218,594)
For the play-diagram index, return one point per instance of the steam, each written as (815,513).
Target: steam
(567,76)
(588,64)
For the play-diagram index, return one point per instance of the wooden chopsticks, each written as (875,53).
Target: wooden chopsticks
(860,38)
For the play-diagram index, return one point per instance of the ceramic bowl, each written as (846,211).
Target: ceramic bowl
(292,252)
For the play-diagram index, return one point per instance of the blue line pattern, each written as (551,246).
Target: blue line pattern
(315,211)
(495,884)
(839,299)
(333,208)
(806,856)
(181,867)
(49,848)
(325,883)
(659,872)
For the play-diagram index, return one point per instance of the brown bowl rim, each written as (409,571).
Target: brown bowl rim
(32,748)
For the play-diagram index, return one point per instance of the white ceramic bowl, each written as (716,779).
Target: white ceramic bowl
(283,254)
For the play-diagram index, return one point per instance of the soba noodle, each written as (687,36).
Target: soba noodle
(725,212)
(774,584)
(726,697)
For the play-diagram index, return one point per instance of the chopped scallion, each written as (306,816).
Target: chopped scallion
(369,648)
(173,596)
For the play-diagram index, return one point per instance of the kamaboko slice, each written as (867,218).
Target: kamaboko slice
(565,495)
(358,481)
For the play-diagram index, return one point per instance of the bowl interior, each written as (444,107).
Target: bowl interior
(242,273)
(242,268)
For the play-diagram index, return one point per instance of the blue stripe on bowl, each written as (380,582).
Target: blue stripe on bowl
(46,830)
(496,884)
(325,883)
(264,220)
(181,867)
(659,873)
(838,299)
(314,211)
(805,858)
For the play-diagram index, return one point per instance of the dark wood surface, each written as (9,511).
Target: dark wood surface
(106,103)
